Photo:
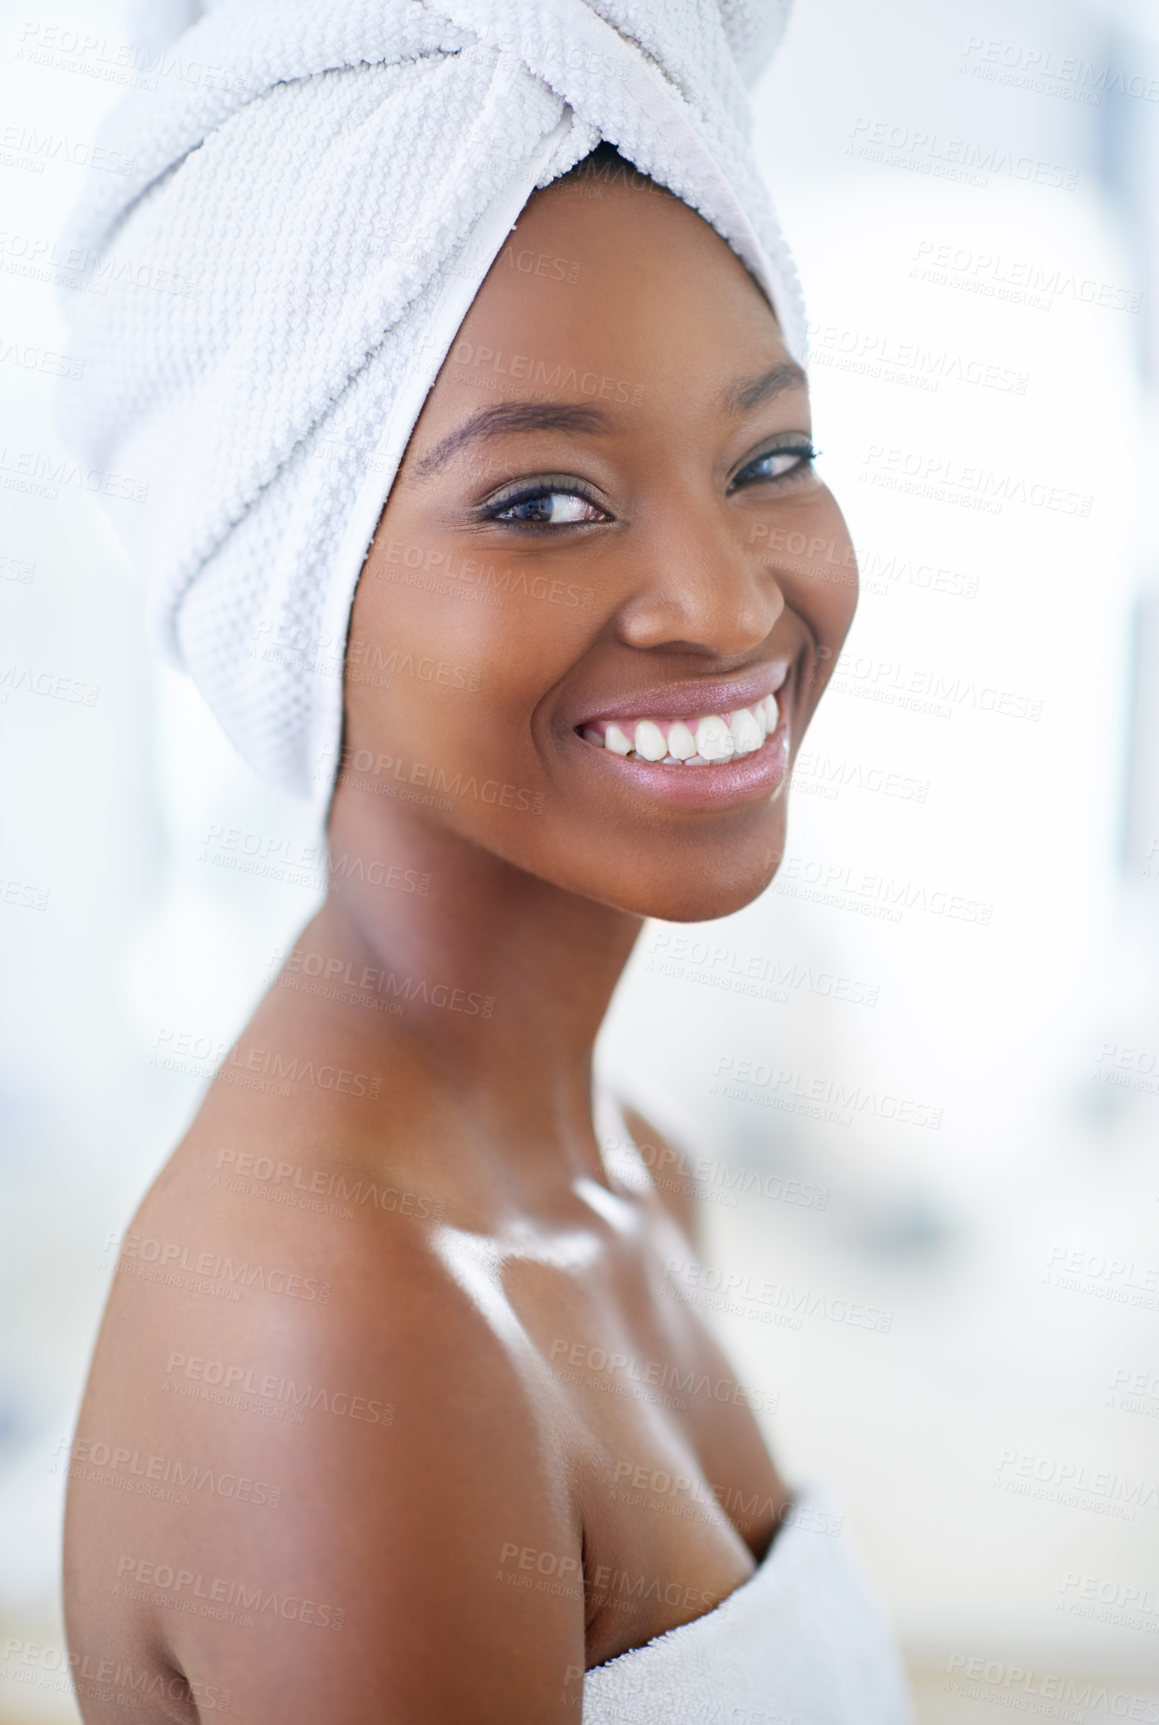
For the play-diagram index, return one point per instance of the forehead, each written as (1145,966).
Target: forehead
(629,290)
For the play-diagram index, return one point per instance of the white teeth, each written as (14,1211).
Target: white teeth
(702,743)
(681,742)
(747,735)
(650,742)
(713,739)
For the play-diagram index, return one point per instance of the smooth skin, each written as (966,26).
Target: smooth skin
(428,1243)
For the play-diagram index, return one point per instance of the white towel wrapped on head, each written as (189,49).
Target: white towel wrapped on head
(303,226)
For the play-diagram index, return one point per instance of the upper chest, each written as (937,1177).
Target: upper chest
(674,1486)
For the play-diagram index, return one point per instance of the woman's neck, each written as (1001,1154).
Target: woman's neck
(504,978)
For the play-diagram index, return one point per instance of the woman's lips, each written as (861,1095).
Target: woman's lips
(704,759)
(691,700)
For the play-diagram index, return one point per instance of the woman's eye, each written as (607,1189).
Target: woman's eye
(776,464)
(546,507)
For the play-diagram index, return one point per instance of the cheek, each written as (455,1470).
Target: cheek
(819,572)
(449,657)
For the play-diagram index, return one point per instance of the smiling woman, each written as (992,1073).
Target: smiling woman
(655,721)
(415,1342)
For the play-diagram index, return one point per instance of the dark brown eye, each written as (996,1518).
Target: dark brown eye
(776,464)
(545,506)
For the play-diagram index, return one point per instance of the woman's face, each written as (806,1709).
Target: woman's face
(604,537)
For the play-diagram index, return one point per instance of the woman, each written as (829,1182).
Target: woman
(390,1331)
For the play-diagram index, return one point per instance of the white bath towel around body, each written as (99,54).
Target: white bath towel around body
(803,1642)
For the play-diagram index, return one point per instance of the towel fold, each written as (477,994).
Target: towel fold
(805,1641)
(312,195)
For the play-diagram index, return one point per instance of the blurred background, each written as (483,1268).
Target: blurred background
(921,1075)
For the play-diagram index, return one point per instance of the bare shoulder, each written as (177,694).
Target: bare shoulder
(310,1462)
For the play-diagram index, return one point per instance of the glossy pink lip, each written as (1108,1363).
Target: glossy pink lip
(751,778)
(693,700)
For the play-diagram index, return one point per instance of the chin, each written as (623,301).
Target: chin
(703,894)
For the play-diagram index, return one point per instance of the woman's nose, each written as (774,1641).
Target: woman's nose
(699,585)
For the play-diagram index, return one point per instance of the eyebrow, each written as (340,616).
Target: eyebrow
(506,417)
(750,392)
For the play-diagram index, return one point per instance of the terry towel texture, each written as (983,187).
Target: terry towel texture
(311,197)
(803,1642)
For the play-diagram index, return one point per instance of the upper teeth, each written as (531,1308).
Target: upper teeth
(715,737)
